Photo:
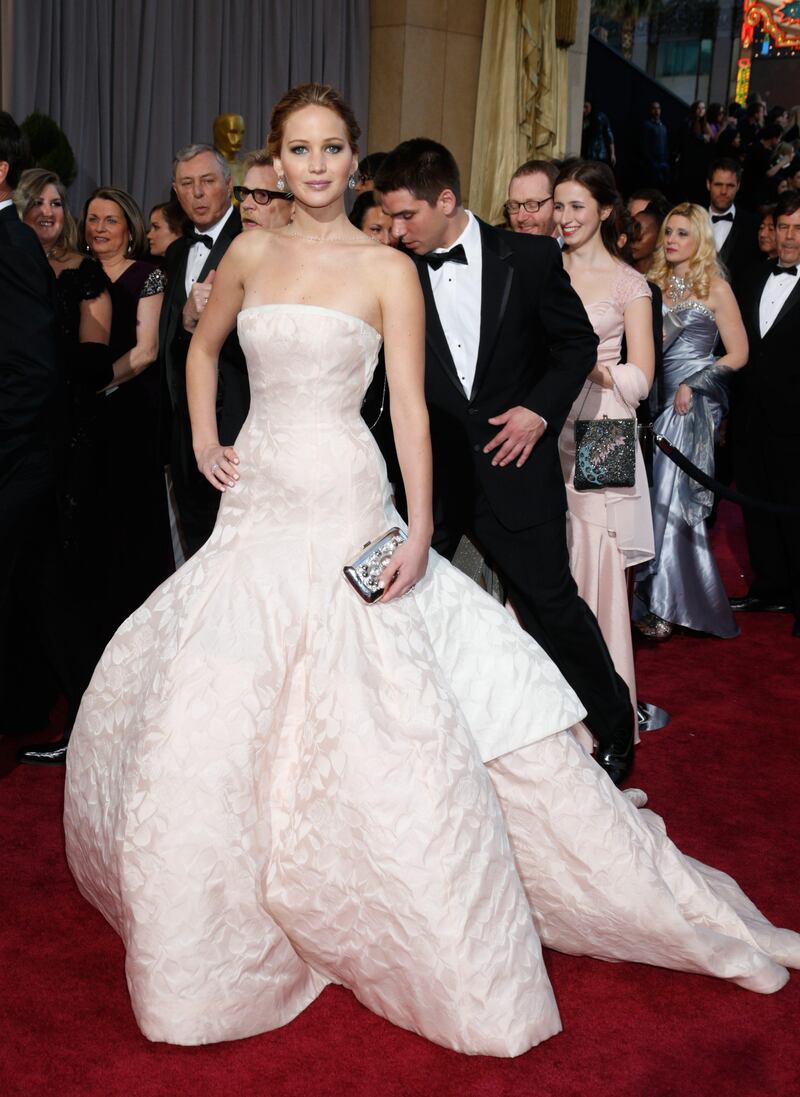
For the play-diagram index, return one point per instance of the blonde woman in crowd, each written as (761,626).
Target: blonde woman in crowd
(682,585)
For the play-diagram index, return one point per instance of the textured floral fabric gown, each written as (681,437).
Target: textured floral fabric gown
(271,786)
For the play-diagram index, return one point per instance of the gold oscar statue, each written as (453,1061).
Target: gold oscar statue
(228,138)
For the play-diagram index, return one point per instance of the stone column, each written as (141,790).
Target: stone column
(425,60)
(577,56)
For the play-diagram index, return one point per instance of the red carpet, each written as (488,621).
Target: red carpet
(725,775)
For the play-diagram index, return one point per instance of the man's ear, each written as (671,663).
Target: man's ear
(447,201)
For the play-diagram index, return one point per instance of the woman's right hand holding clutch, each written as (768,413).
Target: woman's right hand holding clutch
(219,465)
(405,569)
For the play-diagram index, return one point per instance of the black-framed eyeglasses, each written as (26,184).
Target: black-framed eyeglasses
(531,206)
(261,196)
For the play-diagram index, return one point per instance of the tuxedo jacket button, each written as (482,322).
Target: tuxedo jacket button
(477,447)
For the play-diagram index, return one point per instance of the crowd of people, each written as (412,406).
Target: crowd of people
(270,786)
(658,279)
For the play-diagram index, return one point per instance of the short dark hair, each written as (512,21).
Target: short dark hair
(13,149)
(656,200)
(365,201)
(550,168)
(787,204)
(422,167)
(770,131)
(174,216)
(598,179)
(653,211)
(725,163)
(369,164)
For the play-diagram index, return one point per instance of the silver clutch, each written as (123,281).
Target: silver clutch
(364,573)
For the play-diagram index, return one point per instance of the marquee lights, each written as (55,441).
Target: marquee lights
(768,29)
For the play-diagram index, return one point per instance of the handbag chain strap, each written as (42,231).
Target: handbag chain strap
(615,387)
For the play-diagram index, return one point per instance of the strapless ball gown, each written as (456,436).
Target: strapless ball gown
(272,787)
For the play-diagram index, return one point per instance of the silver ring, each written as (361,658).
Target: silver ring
(214,467)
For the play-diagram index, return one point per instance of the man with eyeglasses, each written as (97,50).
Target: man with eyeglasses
(530,198)
(261,204)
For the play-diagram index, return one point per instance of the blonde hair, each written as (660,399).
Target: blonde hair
(704,266)
(30,187)
(308,95)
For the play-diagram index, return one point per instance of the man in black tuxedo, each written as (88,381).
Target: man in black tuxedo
(202,183)
(509,347)
(766,432)
(32,427)
(735,229)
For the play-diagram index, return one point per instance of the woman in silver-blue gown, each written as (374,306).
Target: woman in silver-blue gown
(681,585)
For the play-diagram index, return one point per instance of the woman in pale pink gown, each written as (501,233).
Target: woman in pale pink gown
(610,529)
(272,786)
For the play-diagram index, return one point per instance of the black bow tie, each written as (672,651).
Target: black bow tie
(776,270)
(436,259)
(201,238)
(721,217)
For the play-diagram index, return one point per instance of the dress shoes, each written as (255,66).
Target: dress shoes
(796,628)
(45,754)
(750,604)
(617,758)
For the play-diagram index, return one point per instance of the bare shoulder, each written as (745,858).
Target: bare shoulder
(393,265)
(719,293)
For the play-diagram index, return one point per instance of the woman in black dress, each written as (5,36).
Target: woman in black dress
(84,328)
(137,547)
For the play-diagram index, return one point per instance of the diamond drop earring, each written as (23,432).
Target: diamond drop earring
(351,182)
(281,183)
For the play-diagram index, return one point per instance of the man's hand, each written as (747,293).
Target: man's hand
(197,301)
(522,429)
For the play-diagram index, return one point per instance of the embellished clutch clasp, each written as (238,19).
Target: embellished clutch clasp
(365,572)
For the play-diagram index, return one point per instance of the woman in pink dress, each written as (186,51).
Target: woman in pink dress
(610,529)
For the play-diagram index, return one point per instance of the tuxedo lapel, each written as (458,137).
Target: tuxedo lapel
(496,278)
(231,228)
(789,305)
(726,251)
(755,304)
(434,332)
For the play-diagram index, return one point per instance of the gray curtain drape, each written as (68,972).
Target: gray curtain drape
(130,81)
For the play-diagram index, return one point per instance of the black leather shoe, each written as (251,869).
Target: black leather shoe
(749,604)
(45,754)
(616,759)
(796,627)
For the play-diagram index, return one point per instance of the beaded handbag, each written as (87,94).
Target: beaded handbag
(364,573)
(605,452)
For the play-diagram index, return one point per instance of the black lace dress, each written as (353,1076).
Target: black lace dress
(137,548)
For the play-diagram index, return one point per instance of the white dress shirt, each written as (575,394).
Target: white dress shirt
(721,229)
(457,293)
(773,298)
(6,202)
(198,253)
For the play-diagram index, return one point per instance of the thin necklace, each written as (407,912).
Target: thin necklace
(327,239)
